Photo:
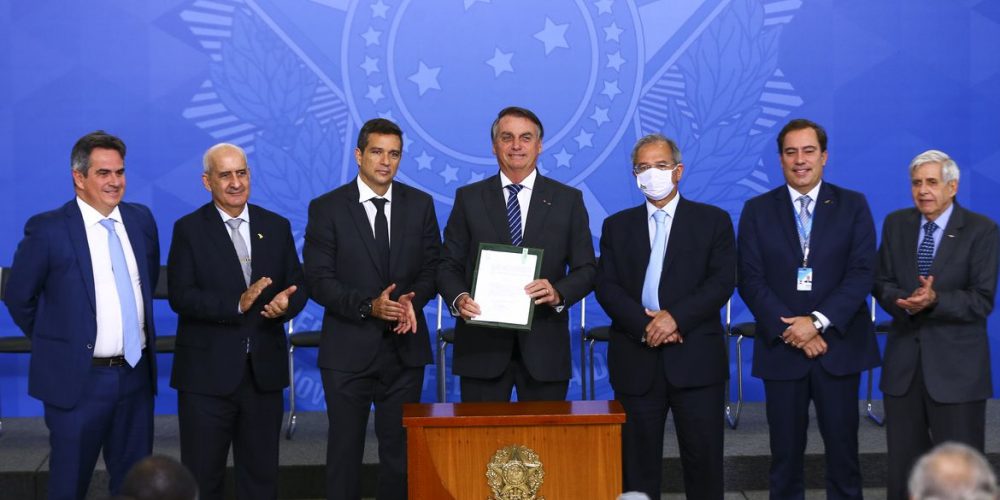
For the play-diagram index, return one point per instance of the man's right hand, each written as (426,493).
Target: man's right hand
(385,308)
(468,308)
(815,347)
(252,293)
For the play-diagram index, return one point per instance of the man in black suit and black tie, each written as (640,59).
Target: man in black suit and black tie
(234,280)
(937,277)
(370,253)
(667,267)
(519,207)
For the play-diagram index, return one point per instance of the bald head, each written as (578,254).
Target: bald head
(953,471)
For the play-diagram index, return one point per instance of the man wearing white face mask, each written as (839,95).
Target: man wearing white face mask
(666,269)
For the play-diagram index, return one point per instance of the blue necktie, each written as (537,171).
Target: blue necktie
(514,214)
(651,285)
(925,254)
(805,224)
(131,345)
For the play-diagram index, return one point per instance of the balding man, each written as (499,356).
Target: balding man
(234,279)
(953,471)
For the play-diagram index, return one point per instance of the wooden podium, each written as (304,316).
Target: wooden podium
(452,445)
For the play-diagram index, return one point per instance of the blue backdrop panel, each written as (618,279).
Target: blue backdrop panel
(291,81)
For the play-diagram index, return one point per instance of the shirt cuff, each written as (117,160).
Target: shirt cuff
(822,319)
(453,308)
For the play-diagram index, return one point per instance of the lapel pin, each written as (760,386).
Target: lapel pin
(951,235)
(260,236)
(827,202)
(547,202)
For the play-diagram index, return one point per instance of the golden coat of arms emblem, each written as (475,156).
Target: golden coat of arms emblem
(515,473)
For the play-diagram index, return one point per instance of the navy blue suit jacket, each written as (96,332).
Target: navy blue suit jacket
(842,256)
(51,291)
(699,273)
(206,282)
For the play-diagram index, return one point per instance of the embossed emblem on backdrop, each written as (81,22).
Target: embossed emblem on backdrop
(442,70)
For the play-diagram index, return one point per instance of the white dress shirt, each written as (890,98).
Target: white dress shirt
(365,195)
(109,340)
(523,196)
(813,195)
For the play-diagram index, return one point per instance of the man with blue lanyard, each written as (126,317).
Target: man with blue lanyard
(806,265)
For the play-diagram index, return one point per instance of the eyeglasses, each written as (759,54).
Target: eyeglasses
(642,167)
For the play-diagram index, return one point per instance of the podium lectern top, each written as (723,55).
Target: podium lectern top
(519,413)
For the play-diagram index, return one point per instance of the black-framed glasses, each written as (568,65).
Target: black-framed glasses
(664,166)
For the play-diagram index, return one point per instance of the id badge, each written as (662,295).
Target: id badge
(804,282)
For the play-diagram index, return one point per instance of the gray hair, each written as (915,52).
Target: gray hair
(949,169)
(953,471)
(653,139)
(206,160)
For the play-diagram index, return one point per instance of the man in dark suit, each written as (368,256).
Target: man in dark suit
(937,277)
(806,265)
(371,249)
(492,361)
(666,269)
(81,288)
(234,279)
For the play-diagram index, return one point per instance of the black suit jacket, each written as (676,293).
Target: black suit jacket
(698,277)
(343,270)
(557,223)
(950,338)
(205,283)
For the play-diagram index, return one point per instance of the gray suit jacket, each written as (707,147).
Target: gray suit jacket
(949,338)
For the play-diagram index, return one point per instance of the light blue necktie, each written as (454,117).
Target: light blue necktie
(651,285)
(514,214)
(131,345)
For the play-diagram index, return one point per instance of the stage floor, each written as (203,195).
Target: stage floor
(24,456)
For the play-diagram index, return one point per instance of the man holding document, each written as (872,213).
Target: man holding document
(500,342)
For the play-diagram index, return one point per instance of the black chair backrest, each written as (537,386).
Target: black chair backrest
(161,284)
(4,275)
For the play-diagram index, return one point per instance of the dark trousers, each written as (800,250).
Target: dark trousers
(699,422)
(349,396)
(915,423)
(514,376)
(115,415)
(836,401)
(249,420)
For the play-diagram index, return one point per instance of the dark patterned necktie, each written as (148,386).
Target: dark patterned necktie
(925,253)
(514,214)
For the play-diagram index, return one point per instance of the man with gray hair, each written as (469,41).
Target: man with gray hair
(234,280)
(667,267)
(953,471)
(937,277)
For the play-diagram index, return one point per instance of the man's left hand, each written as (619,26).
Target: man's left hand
(922,297)
(661,329)
(408,320)
(543,292)
(800,331)
(279,304)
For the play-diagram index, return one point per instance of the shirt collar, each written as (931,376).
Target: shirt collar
(941,221)
(365,193)
(813,194)
(527,183)
(91,216)
(244,215)
(670,208)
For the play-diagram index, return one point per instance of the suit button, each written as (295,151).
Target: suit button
(90,347)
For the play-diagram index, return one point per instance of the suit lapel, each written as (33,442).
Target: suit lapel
(360,218)
(909,234)
(784,212)
(78,238)
(948,240)
(137,240)
(258,247)
(676,241)
(825,206)
(496,209)
(217,232)
(538,211)
(397,225)
(639,242)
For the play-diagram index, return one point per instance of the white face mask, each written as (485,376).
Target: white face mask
(656,184)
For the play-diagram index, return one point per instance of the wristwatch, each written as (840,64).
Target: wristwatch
(816,322)
(365,309)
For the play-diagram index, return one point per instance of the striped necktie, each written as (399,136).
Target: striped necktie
(514,214)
